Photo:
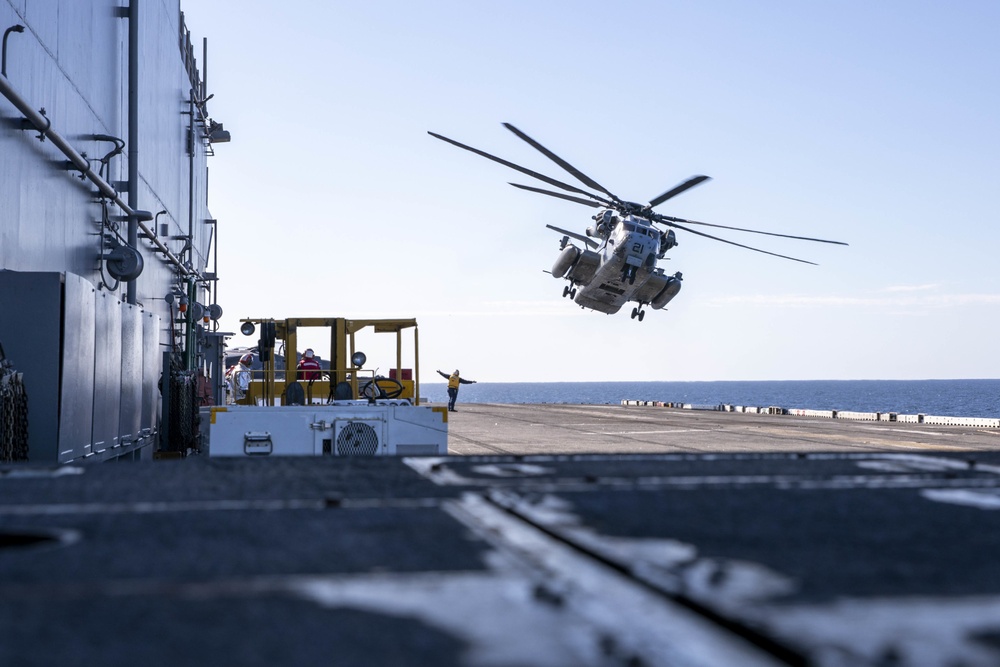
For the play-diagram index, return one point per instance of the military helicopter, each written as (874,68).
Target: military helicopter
(618,261)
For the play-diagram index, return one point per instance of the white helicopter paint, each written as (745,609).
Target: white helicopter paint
(621,268)
(618,261)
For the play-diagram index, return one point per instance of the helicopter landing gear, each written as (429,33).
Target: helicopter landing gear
(569,291)
(638,313)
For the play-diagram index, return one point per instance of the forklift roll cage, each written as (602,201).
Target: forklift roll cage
(342,350)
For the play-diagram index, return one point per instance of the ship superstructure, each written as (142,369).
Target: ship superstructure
(107,271)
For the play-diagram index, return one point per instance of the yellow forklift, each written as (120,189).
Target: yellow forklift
(342,409)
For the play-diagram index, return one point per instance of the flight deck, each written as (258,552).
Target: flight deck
(550,535)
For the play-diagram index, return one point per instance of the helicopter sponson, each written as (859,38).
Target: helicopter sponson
(567,259)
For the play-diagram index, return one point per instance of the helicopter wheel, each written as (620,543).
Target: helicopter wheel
(572,293)
(642,314)
(635,313)
(565,291)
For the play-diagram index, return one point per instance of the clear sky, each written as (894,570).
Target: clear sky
(874,123)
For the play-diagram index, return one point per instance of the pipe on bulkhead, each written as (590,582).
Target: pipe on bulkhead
(44,127)
(6,33)
(191,148)
(133,135)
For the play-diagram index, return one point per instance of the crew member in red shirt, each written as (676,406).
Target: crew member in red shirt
(309,370)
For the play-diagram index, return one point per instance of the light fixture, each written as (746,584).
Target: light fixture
(359,359)
(217,134)
(247,328)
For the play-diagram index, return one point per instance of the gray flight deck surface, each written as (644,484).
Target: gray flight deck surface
(554,535)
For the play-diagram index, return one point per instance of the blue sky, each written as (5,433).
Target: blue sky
(870,123)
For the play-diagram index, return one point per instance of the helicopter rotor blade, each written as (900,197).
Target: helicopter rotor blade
(739,245)
(686,185)
(580,176)
(578,200)
(666,218)
(523,170)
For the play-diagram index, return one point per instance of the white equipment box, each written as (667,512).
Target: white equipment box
(342,428)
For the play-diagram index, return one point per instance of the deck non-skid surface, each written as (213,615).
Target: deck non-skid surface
(589,535)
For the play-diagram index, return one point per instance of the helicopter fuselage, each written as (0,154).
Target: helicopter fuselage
(621,269)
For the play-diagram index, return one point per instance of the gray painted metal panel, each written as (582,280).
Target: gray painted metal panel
(72,61)
(152,361)
(30,323)
(131,383)
(107,371)
(76,404)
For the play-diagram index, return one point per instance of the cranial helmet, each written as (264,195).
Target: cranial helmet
(308,353)
(456,372)
(246,359)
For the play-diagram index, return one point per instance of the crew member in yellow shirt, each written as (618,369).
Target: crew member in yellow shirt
(454,380)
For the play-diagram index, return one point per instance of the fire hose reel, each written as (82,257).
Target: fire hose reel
(124,263)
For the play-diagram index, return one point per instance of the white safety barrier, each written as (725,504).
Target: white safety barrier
(975,422)
(962,421)
(800,412)
(857,416)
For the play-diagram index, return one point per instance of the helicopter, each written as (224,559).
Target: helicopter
(618,261)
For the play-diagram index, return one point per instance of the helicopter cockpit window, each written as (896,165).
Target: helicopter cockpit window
(629,227)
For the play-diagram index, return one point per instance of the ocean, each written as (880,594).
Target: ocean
(952,398)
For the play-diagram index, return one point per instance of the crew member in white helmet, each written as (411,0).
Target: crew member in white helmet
(238,377)
(309,370)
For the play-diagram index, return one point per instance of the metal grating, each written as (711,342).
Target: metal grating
(357,439)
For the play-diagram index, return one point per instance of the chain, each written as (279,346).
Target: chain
(184,434)
(13,415)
